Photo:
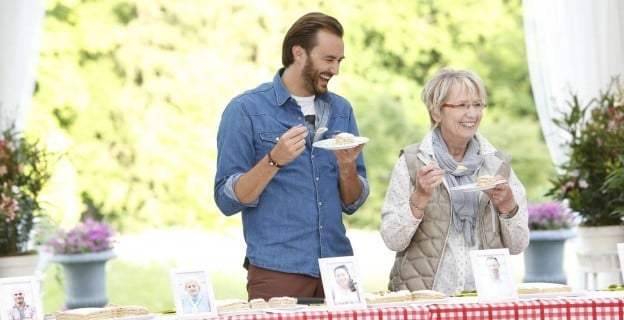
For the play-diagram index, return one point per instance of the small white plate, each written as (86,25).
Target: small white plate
(330,144)
(297,307)
(389,304)
(551,295)
(138,317)
(430,301)
(474,187)
(417,302)
(242,312)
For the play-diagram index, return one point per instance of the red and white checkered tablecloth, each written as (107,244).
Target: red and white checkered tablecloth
(544,309)
(577,308)
(387,313)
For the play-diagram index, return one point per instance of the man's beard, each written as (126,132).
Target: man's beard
(311,77)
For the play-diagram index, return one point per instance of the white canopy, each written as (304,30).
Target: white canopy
(572,46)
(21,23)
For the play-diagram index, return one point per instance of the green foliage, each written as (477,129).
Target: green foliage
(25,169)
(135,90)
(588,180)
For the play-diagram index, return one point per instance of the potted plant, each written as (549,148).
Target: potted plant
(83,252)
(25,169)
(588,180)
(550,225)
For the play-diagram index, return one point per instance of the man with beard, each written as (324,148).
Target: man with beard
(292,194)
(21,310)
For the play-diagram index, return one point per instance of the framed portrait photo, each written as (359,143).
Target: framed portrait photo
(493,275)
(342,282)
(193,293)
(20,296)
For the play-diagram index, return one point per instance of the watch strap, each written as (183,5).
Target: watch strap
(272,162)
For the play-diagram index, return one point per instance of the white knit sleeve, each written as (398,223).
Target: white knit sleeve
(398,224)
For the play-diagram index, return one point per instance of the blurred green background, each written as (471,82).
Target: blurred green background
(132,92)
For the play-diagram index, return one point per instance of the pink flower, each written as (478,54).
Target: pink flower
(89,236)
(550,216)
(567,186)
(9,206)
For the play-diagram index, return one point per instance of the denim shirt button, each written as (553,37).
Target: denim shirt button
(320,203)
(277,139)
(317,178)
(321,227)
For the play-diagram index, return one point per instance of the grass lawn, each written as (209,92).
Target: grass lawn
(130,284)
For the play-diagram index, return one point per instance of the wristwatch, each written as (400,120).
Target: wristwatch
(510,214)
(272,162)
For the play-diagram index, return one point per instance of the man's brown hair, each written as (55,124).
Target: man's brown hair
(303,33)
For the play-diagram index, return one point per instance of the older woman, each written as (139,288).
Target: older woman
(433,228)
(194,301)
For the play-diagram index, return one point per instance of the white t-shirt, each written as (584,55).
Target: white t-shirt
(306,104)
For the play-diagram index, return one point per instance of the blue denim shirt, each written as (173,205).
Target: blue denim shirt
(298,217)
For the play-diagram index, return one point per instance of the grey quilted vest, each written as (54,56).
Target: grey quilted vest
(415,267)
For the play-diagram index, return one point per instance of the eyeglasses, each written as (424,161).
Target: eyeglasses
(477,106)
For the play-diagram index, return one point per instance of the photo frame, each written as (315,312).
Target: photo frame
(23,291)
(193,293)
(342,282)
(620,250)
(493,275)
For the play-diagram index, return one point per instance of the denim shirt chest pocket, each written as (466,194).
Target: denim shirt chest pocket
(267,141)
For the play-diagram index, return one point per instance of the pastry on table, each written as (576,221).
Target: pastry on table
(258,303)
(543,287)
(108,312)
(128,311)
(427,294)
(282,302)
(85,314)
(388,296)
(229,305)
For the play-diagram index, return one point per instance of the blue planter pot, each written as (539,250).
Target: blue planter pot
(543,258)
(85,278)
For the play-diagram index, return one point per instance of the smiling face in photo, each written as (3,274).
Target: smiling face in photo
(18,296)
(342,277)
(192,287)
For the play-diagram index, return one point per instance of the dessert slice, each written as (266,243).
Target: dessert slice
(344,138)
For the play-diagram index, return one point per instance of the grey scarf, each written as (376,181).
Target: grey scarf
(464,204)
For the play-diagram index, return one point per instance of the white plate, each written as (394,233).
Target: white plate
(138,317)
(389,304)
(330,144)
(240,312)
(416,302)
(474,187)
(294,308)
(552,295)
(430,301)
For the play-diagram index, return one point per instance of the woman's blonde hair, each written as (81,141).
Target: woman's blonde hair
(437,90)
